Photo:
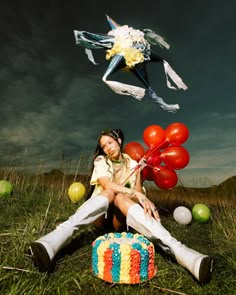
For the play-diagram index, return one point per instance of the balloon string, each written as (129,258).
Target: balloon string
(154,149)
(134,169)
(141,163)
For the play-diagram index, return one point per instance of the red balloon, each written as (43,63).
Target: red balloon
(154,135)
(177,133)
(135,150)
(153,157)
(175,157)
(146,173)
(164,177)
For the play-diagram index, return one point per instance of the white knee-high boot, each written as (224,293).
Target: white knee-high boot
(198,264)
(45,248)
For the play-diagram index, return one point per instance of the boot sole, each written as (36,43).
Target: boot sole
(40,256)
(205,269)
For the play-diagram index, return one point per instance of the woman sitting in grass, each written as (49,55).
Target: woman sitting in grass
(117,200)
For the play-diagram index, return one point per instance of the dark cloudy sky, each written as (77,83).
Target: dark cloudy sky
(54,103)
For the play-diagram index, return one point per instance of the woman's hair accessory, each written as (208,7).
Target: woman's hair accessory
(109,131)
(116,134)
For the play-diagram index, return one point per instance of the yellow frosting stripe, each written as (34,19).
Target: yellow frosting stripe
(125,263)
(101,264)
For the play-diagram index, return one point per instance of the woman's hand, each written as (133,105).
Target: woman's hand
(148,206)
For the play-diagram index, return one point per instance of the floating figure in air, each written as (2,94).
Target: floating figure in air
(130,49)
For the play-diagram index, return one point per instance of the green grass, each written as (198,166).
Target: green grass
(38,204)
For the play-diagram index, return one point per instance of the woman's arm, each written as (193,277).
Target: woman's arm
(148,206)
(138,184)
(106,183)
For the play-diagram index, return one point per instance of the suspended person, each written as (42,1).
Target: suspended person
(118,200)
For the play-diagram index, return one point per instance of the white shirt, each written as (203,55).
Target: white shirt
(104,167)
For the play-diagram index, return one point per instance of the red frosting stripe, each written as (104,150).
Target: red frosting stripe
(135,266)
(151,266)
(107,276)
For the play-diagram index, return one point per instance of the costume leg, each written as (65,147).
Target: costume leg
(198,264)
(45,248)
(140,71)
(117,62)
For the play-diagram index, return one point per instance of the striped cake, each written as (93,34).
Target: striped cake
(123,258)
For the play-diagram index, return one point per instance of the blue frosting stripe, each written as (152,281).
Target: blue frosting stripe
(142,239)
(144,264)
(95,256)
(129,235)
(137,246)
(117,235)
(115,272)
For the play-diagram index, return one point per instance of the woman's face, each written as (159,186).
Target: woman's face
(110,147)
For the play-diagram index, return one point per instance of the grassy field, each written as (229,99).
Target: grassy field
(39,203)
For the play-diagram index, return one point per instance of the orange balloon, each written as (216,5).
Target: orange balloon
(135,150)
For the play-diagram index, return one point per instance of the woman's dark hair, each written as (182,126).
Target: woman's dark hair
(115,134)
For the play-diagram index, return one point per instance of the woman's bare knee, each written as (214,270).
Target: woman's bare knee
(123,202)
(109,193)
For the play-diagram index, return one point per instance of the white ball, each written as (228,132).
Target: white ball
(182,215)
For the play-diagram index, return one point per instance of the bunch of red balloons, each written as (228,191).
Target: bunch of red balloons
(164,155)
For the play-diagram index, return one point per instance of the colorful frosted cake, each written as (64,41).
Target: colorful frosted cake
(123,258)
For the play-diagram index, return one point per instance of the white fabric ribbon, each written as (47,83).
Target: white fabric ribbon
(169,72)
(125,89)
(90,56)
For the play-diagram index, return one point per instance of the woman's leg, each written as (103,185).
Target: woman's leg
(198,264)
(122,203)
(45,248)
(104,222)
(116,214)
